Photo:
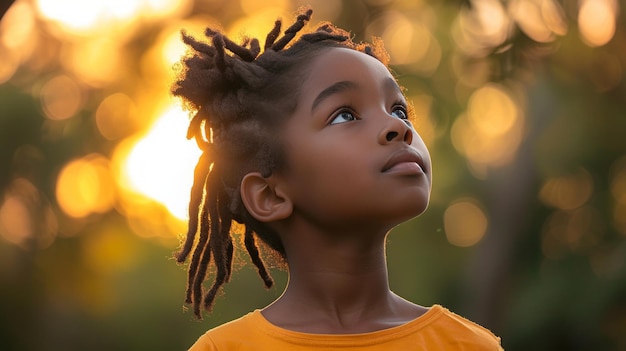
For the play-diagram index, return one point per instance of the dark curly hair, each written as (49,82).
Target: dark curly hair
(239,98)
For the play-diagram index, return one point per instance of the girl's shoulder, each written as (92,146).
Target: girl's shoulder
(231,335)
(437,329)
(455,329)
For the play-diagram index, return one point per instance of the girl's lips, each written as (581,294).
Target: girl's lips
(407,161)
(406,168)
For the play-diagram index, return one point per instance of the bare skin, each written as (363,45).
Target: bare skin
(356,168)
(339,290)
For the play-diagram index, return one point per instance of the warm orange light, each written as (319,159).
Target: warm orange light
(409,41)
(492,111)
(61,97)
(596,21)
(568,192)
(84,186)
(97,61)
(258,24)
(17,24)
(253,6)
(482,28)
(160,164)
(539,19)
(26,218)
(15,220)
(90,17)
(465,223)
(115,116)
(491,131)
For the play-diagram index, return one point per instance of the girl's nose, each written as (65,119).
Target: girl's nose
(395,129)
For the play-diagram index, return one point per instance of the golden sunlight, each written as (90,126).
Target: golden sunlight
(257,25)
(84,186)
(88,17)
(596,21)
(160,164)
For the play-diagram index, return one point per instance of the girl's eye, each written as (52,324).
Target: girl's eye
(400,112)
(343,117)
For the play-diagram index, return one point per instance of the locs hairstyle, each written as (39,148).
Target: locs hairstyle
(239,97)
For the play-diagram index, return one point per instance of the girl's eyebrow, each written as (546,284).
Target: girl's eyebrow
(331,90)
(389,84)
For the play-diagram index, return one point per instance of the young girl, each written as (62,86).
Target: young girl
(309,146)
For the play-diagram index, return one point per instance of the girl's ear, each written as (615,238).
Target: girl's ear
(263,199)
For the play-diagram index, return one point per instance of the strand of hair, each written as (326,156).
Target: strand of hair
(216,246)
(253,251)
(210,224)
(273,35)
(197,191)
(218,43)
(244,53)
(290,33)
(199,279)
(202,242)
(196,45)
(226,224)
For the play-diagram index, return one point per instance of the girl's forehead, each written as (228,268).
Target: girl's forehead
(344,66)
(338,59)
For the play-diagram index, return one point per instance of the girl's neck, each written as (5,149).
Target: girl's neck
(338,287)
(340,278)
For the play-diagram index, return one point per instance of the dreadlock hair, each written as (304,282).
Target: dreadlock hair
(239,97)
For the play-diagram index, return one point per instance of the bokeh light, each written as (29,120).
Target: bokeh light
(81,18)
(17,24)
(61,97)
(85,186)
(410,43)
(159,164)
(26,217)
(568,192)
(596,21)
(479,29)
(541,20)
(17,38)
(465,222)
(491,130)
(116,116)
(106,54)
(15,219)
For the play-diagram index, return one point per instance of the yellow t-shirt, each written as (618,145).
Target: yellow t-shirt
(437,329)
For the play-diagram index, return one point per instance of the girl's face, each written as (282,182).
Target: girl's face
(352,157)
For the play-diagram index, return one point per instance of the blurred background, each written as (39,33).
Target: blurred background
(521,102)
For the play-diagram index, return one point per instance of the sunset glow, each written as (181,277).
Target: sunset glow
(159,165)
